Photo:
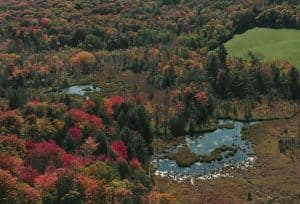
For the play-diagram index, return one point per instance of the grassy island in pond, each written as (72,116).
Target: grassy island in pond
(184,157)
(217,154)
(274,44)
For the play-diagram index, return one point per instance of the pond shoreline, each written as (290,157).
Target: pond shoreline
(222,147)
(260,119)
(78,89)
(177,142)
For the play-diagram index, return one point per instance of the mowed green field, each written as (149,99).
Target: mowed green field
(274,44)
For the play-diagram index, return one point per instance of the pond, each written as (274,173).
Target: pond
(206,144)
(81,90)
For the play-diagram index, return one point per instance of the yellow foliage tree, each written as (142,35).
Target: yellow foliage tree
(84,61)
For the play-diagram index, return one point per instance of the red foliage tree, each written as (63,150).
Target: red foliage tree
(112,104)
(83,117)
(180,106)
(202,98)
(70,160)
(45,22)
(89,105)
(29,144)
(154,51)
(96,121)
(78,114)
(117,100)
(10,163)
(135,163)
(75,133)
(45,153)
(188,90)
(8,185)
(120,149)
(27,174)
(46,182)
(28,194)
(95,191)
(34,102)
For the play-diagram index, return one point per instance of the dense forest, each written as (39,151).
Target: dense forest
(163,70)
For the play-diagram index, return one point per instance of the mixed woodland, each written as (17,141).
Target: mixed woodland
(59,148)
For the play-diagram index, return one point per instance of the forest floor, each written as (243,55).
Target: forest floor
(274,178)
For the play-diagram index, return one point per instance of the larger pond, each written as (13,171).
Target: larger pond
(205,144)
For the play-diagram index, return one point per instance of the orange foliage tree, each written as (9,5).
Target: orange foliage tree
(84,61)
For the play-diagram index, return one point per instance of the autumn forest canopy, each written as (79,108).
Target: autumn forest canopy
(164,72)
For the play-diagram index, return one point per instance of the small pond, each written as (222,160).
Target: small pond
(79,89)
(205,144)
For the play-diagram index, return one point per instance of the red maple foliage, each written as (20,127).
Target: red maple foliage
(78,114)
(135,163)
(202,98)
(96,121)
(45,153)
(154,51)
(75,133)
(81,116)
(45,22)
(70,160)
(8,184)
(10,163)
(112,103)
(89,105)
(27,174)
(29,144)
(47,181)
(45,148)
(120,149)
(108,108)
(188,90)
(95,191)
(117,100)
(180,106)
(29,194)
(34,102)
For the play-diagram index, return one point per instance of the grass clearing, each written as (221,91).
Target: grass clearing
(274,44)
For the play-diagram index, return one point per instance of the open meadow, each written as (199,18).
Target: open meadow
(273,44)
